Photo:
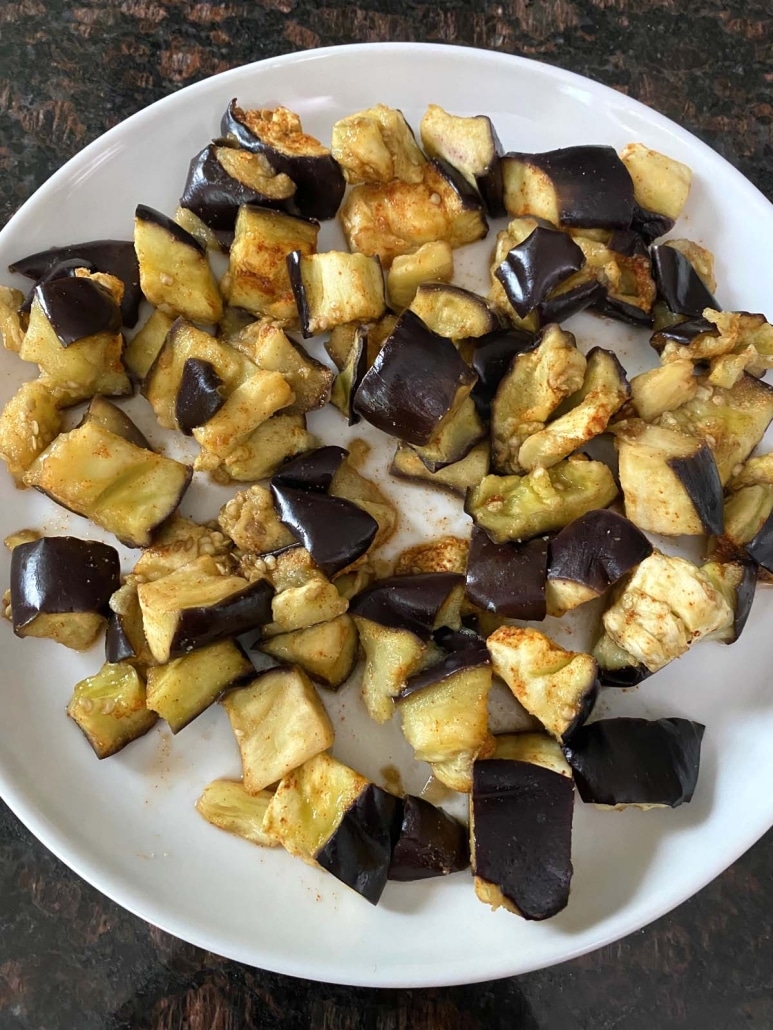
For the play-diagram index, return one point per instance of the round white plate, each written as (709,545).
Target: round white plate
(128,824)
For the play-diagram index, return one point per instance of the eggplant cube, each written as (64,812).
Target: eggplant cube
(335,288)
(452,312)
(143,348)
(110,708)
(431,263)
(28,424)
(557,686)
(431,843)
(250,520)
(279,724)
(260,454)
(660,183)
(377,145)
(327,652)
(472,146)
(535,748)
(456,478)
(249,406)
(391,655)
(227,805)
(508,579)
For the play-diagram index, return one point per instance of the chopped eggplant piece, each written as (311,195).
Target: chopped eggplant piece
(747,512)
(327,652)
(180,541)
(660,183)
(209,239)
(521,833)
(61,587)
(472,147)
(392,654)
(127,490)
(349,377)
(258,279)
(125,636)
(251,404)
(431,843)
(535,748)
(278,136)
(335,288)
(222,178)
(11,328)
(580,187)
(663,389)
(678,283)
(143,348)
(305,597)
(250,520)
(227,805)
(417,379)
(110,417)
(576,294)
(670,481)
(377,145)
(279,724)
(491,359)
(453,312)
(617,668)
(508,579)
(638,762)
(589,556)
(533,268)
(411,602)
(313,471)
(650,225)
(183,688)
(200,395)
(77,308)
(666,605)
(28,424)
(115,257)
(329,815)
(110,708)
(174,272)
(454,438)
(521,507)
(458,477)
(431,263)
(737,581)
(444,554)
(604,390)
(198,604)
(557,686)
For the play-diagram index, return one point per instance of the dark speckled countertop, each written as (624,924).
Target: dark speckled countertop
(72,960)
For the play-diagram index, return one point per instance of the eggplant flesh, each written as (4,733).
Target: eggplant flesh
(491,359)
(636,761)
(431,843)
(508,579)
(456,661)
(531,270)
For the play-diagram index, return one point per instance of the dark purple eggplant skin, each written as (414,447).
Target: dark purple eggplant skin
(629,243)
(743,599)
(61,574)
(522,833)
(431,843)
(314,470)
(77,308)
(118,423)
(678,284)
(118,646)
(215,196)
(458,639)
(359,851)
(467,194)
(491,359)
(532,269)
(699,476)
(593,187)
(491,183)
(597,550)
(636,761)
(116,257)
(199,395)
(630,676)
(453,663)
(294,260)
(560,306)
(508,579)
(613,307)
(650,224)
(683,332)
(319,181)
(334,531)
(59,270)
(143,213)
(406,602)
(237,614)
(760,548)
(412,384)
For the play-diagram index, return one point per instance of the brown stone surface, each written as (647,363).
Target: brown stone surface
(70,959)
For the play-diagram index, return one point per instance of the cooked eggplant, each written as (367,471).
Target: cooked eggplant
(313,471)
(660,183)
(617,668)
(431,263)
(377,145)
(678,283)
(179,541)
(472,147)
(453,312)
(278,136)
(604,390)
(521,507)
(174,272)
(737,581)
(331,816)
(279,723)
(458,477)
(670,480)
(665,606)
(110,417)
(535,748)
(392,653)
(335,288)
(557,686)
(304,597)
(410,602)
(589,556)
(250,520)
(576,294)
(11,328)
(350,375)
(443,554)
(126,489)
(258,280)
(251,404)
(227,805)
(198,604)
(183,688)
(578,187)
(115,257)
(508,579)
(77,308)
(327,652)
(663,389)
(28,423)
(200,395)
(650,225)
(417,378)
(639,762)
(533,268)
(110,708)
(454,438)
(61,587)
(143,348)
(221,178)
(521,833)
(444,712)
(431,843)
(125,635)
(490,361)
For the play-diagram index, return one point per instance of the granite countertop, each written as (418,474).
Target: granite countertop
(72,960)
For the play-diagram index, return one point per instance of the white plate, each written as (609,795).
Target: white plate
(128,824)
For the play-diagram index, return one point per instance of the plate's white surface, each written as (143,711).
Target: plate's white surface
(128,824)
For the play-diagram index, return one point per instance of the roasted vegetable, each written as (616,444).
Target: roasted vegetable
(377,145)
(431,843)
(458,477)
(335,288)
(200,395)
(125,635)
(443,554)
(491,359)
(660,183)
(143,348)
(327,652)
(533,268)
(350,375)
(617,668)
(663,389)
(453,312)
(737,581)
(28,423)
(472,147)
(261,453)
(227,805)
(508,579)
(679,285)
(250,520)
(431,263)
(251,404)
(454,438)
(110,708)
(304,597)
